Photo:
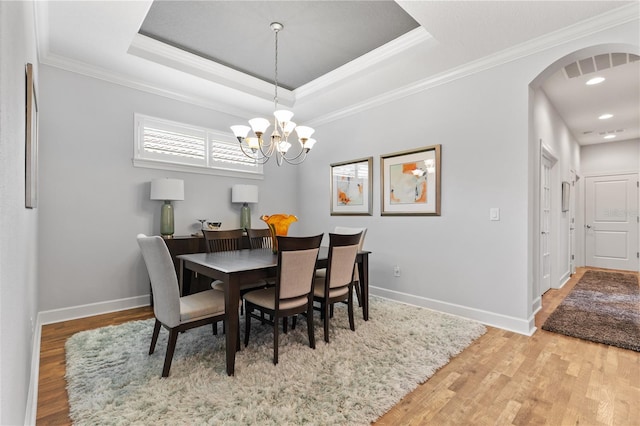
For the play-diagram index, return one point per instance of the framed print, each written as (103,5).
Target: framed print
(351,187)
(31,141)
(411,182)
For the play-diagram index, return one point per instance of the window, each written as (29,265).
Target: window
(164,144)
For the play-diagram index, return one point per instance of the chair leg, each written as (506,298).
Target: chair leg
(154,337)
(215,328)
(310,331)
(325,307)
(356,284)
(171,346)
(350,310)
(294,320)
(285,324)
(247,326)
(275,341)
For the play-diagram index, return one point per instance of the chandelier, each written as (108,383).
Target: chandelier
(278,145)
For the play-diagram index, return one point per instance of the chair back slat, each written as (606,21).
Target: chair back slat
(259,238)
(166,294)
(228,240)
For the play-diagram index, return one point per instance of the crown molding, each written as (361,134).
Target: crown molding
(364,62)
(139,84)
(178,59)
(576,31)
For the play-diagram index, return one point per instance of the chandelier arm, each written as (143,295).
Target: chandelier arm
(292,160)
(259,160)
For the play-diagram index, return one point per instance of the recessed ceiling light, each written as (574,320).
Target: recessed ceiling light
(595,80)
(610,136)
(605,116)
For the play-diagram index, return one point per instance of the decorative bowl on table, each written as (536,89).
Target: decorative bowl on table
(214,225)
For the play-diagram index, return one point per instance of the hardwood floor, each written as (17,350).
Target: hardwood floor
(503,378)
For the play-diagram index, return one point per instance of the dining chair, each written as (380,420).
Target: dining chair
(292,293)
(259,238)
(228,240)
(356,277)
(171,311)
(336,285)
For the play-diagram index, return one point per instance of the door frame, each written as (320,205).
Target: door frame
(546,155)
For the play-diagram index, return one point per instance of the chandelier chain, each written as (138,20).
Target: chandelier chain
(275,98)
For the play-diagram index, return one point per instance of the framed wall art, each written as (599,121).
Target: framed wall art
(31,141)
(351,187)
(411,182)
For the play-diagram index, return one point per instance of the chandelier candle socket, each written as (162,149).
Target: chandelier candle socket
(278,145)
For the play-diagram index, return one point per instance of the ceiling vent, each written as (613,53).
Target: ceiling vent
(611,132)
(598,63)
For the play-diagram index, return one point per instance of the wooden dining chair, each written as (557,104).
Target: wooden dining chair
(171,311)
(259,238)
(228,240)
(336,285)
(292,293)
(356,277)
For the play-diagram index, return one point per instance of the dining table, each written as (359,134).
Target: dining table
(250,265)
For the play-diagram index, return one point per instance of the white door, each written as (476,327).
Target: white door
(545,225)
(611,222)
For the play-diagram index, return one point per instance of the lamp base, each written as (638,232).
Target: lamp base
(166,220)
(245,217)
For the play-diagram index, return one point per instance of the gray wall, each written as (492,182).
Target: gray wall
(94,202)
(18,226)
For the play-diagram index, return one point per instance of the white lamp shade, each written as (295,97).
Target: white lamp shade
(283,116)
(240,131)
(304,132)
(244,193)
(259,125)
(167,189)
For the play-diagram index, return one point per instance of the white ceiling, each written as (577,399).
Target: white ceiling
(100,39)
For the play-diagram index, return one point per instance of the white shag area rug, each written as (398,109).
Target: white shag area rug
(353,380)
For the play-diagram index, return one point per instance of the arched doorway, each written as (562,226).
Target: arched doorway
(558,234)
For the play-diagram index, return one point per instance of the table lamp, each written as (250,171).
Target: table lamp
(167,190)
(244,194)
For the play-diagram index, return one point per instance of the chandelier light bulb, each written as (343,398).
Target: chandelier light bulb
(304,132)
(309,144)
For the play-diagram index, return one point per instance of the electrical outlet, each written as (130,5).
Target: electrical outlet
(396,271)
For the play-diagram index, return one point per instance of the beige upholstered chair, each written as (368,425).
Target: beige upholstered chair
(336,285)
(292,294)
(356,277)
(173,312)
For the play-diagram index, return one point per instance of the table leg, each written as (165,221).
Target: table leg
(231,302)
(364,285)
(184,280)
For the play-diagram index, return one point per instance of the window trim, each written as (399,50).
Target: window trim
(209,167)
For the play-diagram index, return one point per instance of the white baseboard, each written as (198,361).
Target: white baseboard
(82,311)
(516,325)
(65,314)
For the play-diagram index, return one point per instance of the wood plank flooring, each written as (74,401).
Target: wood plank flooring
(503,378)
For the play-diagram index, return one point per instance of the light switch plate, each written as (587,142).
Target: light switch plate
(494,213)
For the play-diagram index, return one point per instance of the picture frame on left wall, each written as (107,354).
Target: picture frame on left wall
(31,141)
